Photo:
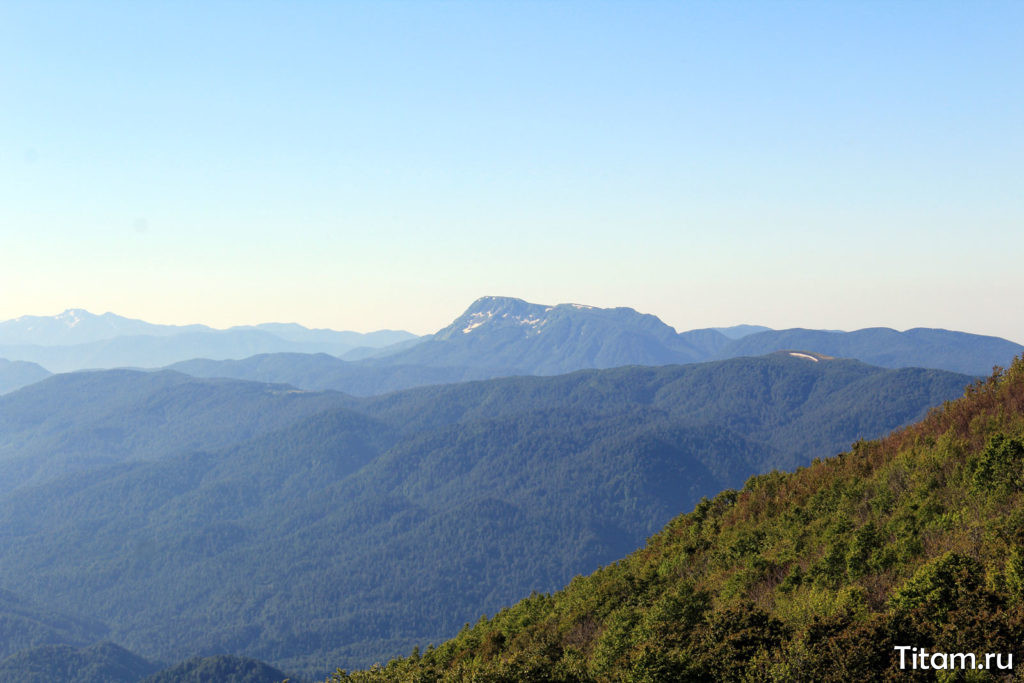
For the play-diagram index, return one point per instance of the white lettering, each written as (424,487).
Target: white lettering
(903,653)
(963,661)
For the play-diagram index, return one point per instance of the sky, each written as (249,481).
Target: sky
(368,165)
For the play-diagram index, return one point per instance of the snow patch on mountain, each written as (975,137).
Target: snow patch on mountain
(476,320)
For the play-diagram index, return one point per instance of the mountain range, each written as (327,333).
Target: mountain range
(498,337)
(494,337)
(178,516)
(77,339)
(315,511)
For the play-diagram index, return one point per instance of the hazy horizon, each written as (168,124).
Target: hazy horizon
(369,166)
(448,322)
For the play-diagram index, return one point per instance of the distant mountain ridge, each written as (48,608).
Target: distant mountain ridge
(546,340)
(922,347)
(495,337)
(18,373)
(77,339)
(78,326)
(503,336)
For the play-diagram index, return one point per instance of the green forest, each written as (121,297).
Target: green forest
(916,539)
(308,530)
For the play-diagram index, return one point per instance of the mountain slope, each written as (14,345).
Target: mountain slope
(549,340)
(101,663)
(17,374)
(971,354)
(74,422)
(353,532)
(150,351)
(543,340)
(221,668)
(320,372)
(913,540)
(24,625)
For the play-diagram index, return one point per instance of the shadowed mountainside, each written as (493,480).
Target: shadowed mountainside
(360,527)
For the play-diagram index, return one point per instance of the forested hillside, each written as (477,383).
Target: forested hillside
(25,625)
(916,539)
(84,420)
(311,530)
(99,663)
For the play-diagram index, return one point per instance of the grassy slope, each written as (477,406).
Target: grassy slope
(915,539)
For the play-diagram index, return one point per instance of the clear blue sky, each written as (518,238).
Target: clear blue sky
(369,165)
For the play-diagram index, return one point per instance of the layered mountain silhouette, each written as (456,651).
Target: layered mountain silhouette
(495,337)
(500,336)
(313,529)
(77,339)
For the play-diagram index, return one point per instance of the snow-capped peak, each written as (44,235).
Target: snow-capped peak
(72,316)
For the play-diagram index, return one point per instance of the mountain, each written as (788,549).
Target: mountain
(547,340)
(78,326)
(101,663)
(848,569)
(25,625)
(971,354)
(542,340)
(77,339)
(297,333)
(328,530)
(17,374)
(79,421)
(363,352)
(495,337)
(220,668)
(147,351)
(501,337)
(320,372)
(739,331)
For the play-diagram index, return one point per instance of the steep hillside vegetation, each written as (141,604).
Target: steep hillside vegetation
(913,540)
